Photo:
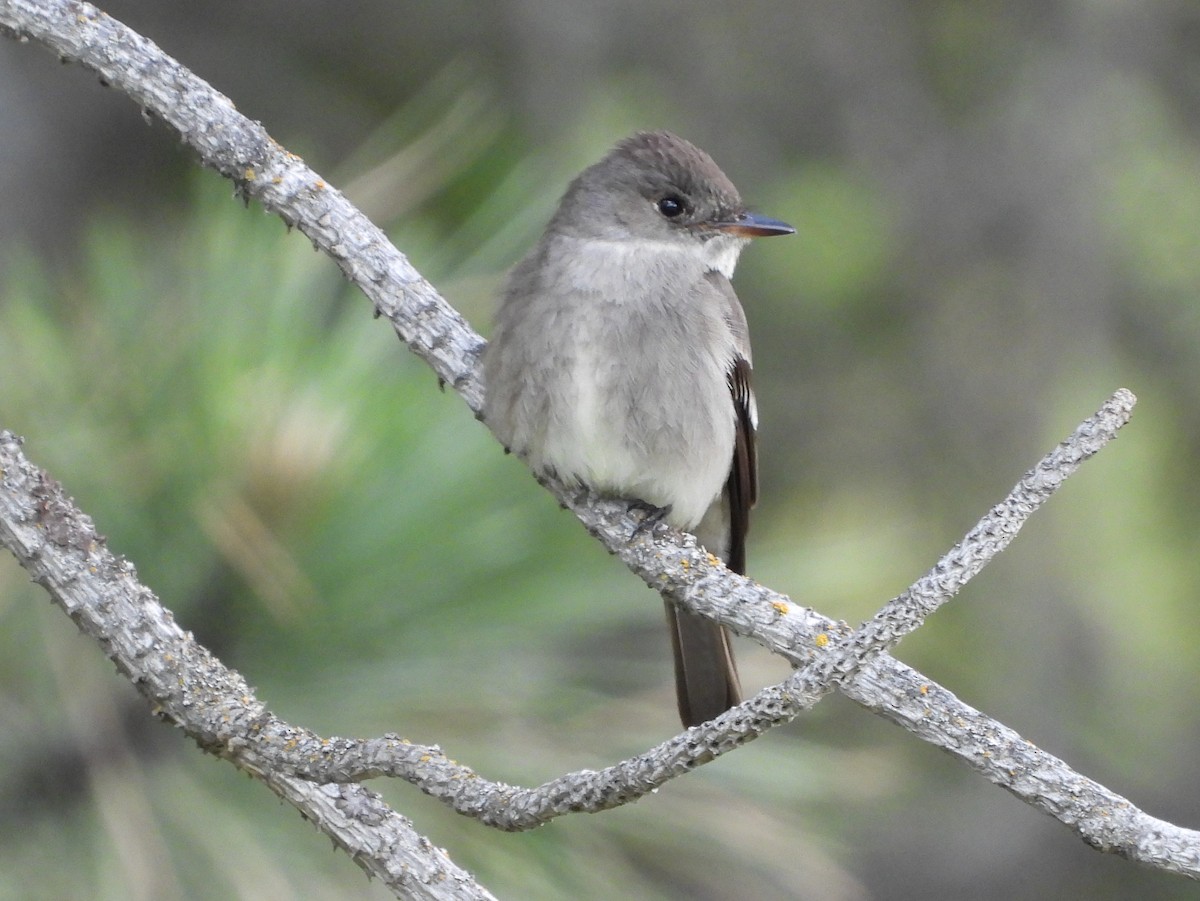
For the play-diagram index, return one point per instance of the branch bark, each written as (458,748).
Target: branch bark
(60,546)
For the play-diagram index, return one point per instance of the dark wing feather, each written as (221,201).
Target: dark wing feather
(706,679)
(743,473)
(742,487)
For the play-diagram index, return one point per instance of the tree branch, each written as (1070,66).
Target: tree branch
(183,679)
(186,685)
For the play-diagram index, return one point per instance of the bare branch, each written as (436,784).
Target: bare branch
(242,151)
(59,545)
(186,685)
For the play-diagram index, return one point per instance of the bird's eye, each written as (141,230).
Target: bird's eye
(672,206)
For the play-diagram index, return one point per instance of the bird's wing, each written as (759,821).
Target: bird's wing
(742,487)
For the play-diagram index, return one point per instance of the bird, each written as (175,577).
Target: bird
(619,361)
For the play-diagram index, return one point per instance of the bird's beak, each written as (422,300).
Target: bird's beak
(751,225)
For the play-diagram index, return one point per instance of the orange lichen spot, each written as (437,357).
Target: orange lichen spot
(780,607)
(822,640)
(713,560)
(924,689)
(320,185)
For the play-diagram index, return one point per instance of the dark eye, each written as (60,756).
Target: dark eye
(672,206)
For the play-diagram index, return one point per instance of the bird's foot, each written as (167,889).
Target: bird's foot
(651,516)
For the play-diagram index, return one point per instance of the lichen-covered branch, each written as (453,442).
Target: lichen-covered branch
(242,151)
(59,545)
(60,548)
(188,686)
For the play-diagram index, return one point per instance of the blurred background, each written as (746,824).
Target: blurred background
(997,212)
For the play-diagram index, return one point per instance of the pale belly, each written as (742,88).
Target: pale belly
(670,444)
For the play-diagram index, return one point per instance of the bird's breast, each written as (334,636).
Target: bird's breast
(648,413)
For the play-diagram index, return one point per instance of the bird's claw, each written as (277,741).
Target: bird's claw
(651,516)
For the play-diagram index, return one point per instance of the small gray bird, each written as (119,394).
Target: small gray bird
(620,360)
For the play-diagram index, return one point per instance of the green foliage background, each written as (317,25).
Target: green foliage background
(294,486)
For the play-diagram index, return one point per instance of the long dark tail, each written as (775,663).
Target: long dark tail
(706,680)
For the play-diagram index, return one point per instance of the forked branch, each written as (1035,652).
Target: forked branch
(58,544)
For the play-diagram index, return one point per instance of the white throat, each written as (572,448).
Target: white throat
(718,253)
(721,253)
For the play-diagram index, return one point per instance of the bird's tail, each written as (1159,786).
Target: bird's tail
(706,680)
